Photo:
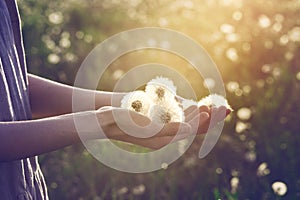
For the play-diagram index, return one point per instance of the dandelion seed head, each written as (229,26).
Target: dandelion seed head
(214,100)
(165,82)
(160,89)
(160,92)
(165,114)
(244,113)
(160,114)
(262,169)
(166,117)
(279,188)
(234,182)
(137,105)
(137,101)
(187,103)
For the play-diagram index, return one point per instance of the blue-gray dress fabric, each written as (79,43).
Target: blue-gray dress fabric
(20,179)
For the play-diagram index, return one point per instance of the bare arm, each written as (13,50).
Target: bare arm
(24,139)
(32,137)
(49,98)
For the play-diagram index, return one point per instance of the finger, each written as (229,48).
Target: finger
(154,143)
(190,112)
(193,111)
(228,111)
(217,115)
(200,123)
(105,108)
(204,108)
(131,123)
(190,109)
(137,125)
(109,115)
(181,137)
(174,128)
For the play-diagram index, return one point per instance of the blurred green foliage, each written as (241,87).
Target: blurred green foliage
(255,44)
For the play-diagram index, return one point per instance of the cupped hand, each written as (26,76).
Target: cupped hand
(129,126)
(203,118)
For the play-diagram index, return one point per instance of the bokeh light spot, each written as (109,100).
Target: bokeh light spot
(209,83)
(237,15)
(56,18)
(284,39)
(53,58)
(279,188)
(241,126)
(294,34)
(227,28)
(264,21)
(266,68)
(298,76)
(244,113)
(232,86)
(232,54)
(117,74)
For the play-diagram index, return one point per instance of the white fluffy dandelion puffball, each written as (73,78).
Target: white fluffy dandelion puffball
(159,104)
(214,100)
(165,114)
(187,103)
(137,101)
(161,89)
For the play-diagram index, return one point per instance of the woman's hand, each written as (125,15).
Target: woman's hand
(203,118)
(129,126)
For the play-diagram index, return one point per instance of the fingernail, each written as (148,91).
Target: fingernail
(228,111)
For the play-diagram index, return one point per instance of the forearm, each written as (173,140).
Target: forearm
(49,98)
(23,139)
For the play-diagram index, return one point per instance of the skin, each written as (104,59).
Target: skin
(53,125)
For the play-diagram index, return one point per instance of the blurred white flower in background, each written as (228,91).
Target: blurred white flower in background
(279,188)
(244,113)
(262,169)
(234,182)
(138,190)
